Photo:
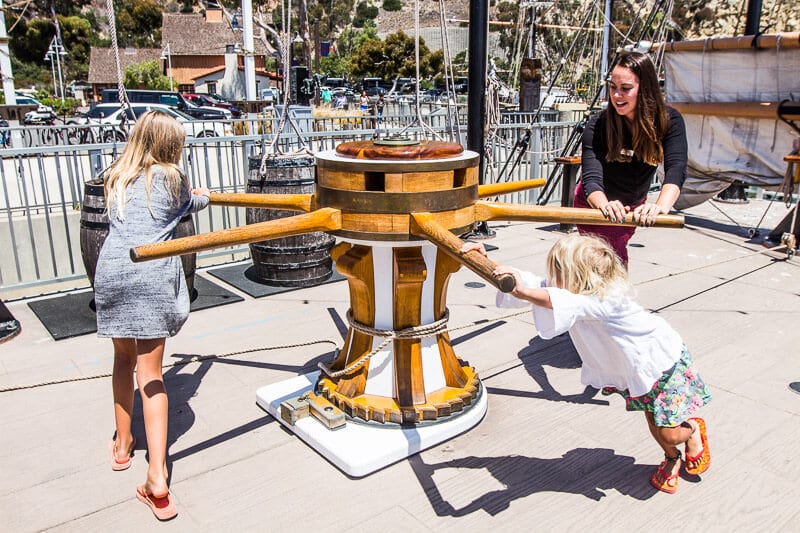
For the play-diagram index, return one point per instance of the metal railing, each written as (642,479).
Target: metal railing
(42,188)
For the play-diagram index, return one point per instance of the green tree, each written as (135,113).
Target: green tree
(138,23)
(76,34)
(30,39)
(395,57)
(392,5)
(364,12)
(146,75)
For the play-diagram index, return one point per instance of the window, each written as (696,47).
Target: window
(168,99)
(211,87)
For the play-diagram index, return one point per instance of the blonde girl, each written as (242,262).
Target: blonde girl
(139,305)
(623,348)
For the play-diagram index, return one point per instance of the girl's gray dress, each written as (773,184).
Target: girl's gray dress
(146,300)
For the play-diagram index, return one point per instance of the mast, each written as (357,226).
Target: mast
(753,20)
(735,192)
(476,98)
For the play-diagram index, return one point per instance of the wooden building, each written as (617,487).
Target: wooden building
(196,46)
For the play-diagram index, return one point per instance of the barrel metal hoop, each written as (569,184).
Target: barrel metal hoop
(394,203)
(424,165)
(89,224)
(288,249)
(261,182)
(391,237)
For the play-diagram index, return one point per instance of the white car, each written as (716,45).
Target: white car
(23,99)
(111,114)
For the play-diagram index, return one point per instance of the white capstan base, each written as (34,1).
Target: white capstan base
(360,449)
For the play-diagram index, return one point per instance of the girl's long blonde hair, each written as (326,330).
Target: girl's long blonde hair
(157,139)
(584,264)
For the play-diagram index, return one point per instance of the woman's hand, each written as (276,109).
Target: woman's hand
(470,246)
(645,214)
(614,211)
(201,191)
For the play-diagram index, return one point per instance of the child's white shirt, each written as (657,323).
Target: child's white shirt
(620,344)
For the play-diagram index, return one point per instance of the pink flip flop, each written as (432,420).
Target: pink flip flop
(115,464)
(163,508)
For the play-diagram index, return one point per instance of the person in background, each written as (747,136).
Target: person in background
(326,96)
(622,148)
(139,305)
(623,348)
(379,105)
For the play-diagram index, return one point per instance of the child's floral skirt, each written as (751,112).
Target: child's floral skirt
(675,396)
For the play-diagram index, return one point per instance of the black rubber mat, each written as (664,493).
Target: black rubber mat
(242,276)
(72,314)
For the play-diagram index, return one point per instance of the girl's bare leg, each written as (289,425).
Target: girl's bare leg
(122,386)
(154,407)
(669,438)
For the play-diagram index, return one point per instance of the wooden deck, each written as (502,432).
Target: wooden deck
(549,455)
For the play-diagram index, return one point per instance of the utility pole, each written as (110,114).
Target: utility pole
(249,50)
(166,53)
(5,61)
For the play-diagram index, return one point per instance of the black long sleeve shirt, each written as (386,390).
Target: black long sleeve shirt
(629,182)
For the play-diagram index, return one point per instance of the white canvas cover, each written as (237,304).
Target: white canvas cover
(723,149)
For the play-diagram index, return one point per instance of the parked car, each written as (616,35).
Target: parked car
(204,100)
(169,98)
(111,114)
(270,95)
(348,94)
(24,99)
(430,96)
(374,92)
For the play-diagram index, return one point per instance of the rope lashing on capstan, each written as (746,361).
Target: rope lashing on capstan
(413,332)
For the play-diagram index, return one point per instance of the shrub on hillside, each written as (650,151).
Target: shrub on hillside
(392,5)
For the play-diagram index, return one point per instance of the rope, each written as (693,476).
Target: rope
(123,96)
(413,332)
(193,359)
(760,252)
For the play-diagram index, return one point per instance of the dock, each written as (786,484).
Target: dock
(550,454)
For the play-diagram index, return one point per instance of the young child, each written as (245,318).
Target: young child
(139,305)
(623,348)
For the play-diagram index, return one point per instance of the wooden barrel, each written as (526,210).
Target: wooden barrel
(94,230)
(297,261)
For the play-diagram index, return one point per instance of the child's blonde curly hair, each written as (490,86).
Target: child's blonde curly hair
(584,264)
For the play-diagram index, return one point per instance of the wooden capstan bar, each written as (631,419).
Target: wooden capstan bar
(396,208)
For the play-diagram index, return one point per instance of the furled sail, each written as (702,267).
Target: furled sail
(729,91)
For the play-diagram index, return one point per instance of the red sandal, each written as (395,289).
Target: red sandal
(662,480)
(702,460)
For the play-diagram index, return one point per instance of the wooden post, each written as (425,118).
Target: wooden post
(569,179)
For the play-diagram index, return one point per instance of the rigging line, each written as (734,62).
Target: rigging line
(122,95)
(418,111)
(449,66)
(522,144)
(572,145)
(20,15)
(287,75)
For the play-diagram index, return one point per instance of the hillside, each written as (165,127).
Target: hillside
(695,19)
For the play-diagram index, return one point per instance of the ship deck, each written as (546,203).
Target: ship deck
(550,455)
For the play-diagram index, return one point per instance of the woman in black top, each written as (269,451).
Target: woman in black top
(623,146)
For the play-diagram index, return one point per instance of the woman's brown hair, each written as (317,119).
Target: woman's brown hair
(651,120)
